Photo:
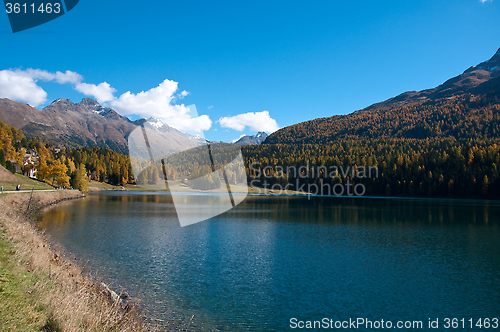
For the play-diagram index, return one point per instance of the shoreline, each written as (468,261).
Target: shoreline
(297,194)
(40,290)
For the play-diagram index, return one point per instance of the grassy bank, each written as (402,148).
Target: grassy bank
(9,181)
(39,291)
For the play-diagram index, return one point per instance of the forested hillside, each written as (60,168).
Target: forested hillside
(436,148)
(464,116)
(62,167)
(466,106)
(440,142)
(437,167)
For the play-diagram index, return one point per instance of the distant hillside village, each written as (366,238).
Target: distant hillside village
(28,164)
(39,160)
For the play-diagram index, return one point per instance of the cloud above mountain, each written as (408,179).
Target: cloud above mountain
(256,121)
(160,101)
(21,87)
(62,78)
(22,84)
(102,92)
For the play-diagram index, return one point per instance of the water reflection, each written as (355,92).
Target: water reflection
(284,257)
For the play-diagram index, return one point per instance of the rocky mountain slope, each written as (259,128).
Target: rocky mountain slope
(86,123)
(68,124)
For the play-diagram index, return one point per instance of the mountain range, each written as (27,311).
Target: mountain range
(466,106)
(70,125)
(86,123)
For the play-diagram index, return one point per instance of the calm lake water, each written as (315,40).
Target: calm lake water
(275,258)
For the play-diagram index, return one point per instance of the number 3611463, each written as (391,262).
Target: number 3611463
(25,8)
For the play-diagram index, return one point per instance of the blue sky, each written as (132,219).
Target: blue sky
(239,59)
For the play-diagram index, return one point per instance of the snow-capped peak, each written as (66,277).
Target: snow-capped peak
(155,122)
(197,138)
(97,109)
(248,140)
(236,140)
(491,65)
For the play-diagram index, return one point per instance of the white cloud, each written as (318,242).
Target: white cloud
(21,84)
(157,102)
(68,77)
(60,77)
(483,1)
(17,85)
(102,92)
(187,123)
(258,121)
(183,94)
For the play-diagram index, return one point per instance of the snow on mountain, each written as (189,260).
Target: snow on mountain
(236,140)
(155,122)
(491,65)
(251,140)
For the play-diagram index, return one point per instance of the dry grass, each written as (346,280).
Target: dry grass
(6,175)
(98,186)
(39,291)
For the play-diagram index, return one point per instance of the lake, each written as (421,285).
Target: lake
(273,259)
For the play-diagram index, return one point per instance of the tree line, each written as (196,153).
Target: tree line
(431,167)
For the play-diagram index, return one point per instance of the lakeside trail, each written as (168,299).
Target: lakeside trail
(39,290)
